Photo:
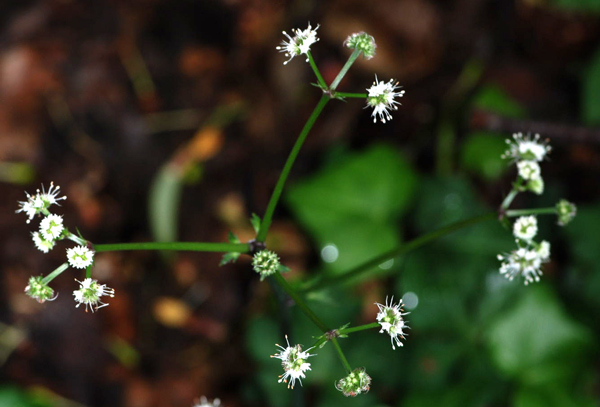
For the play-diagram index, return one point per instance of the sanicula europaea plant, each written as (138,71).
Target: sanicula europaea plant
(526,152)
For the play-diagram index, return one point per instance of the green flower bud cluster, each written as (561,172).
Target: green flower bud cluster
(355,383)
(265,263)
(566,211)
(362,42)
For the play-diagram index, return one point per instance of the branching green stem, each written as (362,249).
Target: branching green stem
(179,246)
(534,211)
(268,217)
(512,194)
(55,273)
(300,302)
(314,67)
(344,70)
(407,247)
(346,331)
(351,95)
(341,355)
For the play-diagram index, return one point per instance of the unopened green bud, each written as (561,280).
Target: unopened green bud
(362,42)
(536,185)
(566,211)
(39,290)
(265,263)
(355,383)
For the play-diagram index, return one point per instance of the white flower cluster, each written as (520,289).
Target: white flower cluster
(527,152)
(527,260)
(293,361)
(299,44)
(50,231)
(390,317)
(382,98)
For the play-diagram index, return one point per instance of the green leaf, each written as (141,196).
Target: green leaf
(232,238)
(591,89)
(536,342)
(480,155)
(352,205)
(283,269)
(255,220)
(229,258)
(494,99)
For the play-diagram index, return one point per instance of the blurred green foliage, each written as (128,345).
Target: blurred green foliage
(476,338)
(481,150)
(354,204)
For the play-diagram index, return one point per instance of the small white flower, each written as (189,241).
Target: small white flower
(523,262)
(299,44)
(391,321)
(529,169)
(543,251)
(525,228)
(205,403)
(51,227)
(40,202)
(525,148)
(41,243)
(293,361)
(381,98)
(80,257)
(89,293)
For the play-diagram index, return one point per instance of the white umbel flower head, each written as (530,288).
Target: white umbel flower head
(51,227)
(39,290)
(381,97)
(390,317)
(525,228)
(205,403)
(299,44)
(89,293)
(80,257)
(525,148)
(41,243)
(293,361)
(40,202)
(529,169)
(524,262)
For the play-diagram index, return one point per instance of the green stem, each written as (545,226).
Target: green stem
(408,247)
(341,355)
(74,238)
(346,331)
(534,211)
(344,70)
(178,246)
(314,67)
(268,217)
(351,95)
(300,302)
(55,273)
(512,194)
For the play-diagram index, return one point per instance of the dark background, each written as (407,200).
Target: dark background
(171,120)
